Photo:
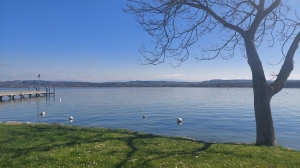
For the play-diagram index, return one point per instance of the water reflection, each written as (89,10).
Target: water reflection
(179,122)
(41,116)
(71,118)
(39,105)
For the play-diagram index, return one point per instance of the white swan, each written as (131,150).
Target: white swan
(71,118)
(179,119)
(43,113)
(59,99)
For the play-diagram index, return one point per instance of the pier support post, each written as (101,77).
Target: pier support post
(0,98)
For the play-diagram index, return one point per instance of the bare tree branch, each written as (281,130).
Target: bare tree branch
(253,4)
(218,18)
(287,66)
(176,25)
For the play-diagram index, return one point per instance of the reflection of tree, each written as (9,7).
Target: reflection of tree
(176,25)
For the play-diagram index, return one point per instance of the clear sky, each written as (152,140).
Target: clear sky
(95,41)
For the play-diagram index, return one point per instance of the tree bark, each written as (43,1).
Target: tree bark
(265,134)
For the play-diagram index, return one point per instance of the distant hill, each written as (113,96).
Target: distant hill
(210,83)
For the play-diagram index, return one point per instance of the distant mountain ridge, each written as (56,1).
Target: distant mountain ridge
(209,83)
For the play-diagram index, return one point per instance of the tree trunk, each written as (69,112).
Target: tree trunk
(265,134)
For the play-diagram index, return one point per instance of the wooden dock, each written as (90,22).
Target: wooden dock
(22,94)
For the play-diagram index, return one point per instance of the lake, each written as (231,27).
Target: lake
(209,114)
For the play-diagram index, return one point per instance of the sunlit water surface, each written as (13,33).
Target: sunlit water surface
(209,114)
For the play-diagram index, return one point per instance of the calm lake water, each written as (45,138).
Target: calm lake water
(209,114)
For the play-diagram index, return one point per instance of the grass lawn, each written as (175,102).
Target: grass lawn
(54,145)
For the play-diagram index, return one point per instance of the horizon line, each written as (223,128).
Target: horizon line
(142,80)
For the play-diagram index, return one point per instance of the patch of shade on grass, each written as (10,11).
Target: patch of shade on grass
(55,145)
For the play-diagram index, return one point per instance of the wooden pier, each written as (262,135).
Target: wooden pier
(22,94)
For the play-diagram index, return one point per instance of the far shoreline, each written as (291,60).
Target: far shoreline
(216,83)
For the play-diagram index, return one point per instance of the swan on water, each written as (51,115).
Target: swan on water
(42,112)
(71,118)
(179,119)
(59,99)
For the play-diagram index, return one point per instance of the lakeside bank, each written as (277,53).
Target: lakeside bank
(56,145)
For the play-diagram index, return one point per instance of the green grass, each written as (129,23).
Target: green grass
(54,145)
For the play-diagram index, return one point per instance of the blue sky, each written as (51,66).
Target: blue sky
(95,41)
